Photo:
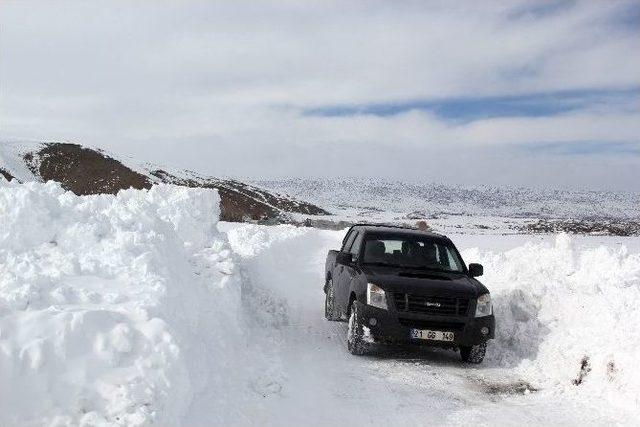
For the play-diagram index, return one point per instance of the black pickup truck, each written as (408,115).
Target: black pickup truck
(399,285)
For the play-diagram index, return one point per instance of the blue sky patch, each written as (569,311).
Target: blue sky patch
(474,108)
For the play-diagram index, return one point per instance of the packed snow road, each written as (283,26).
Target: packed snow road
(320,383)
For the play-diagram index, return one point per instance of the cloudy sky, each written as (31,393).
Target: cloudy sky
(513,92)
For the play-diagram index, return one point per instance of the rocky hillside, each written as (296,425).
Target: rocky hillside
(85,171)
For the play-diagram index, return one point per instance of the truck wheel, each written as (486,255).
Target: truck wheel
(330,302)
(474,353)
(355,342)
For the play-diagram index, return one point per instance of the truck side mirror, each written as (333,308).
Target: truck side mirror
(476,270)
(344,258)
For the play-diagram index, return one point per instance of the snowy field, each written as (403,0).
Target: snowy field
(142,309)
(386,199)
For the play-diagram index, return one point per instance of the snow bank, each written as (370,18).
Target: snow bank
(284,267)
(111,306)
(567,317)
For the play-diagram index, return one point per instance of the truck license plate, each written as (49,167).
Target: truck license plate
(425,334)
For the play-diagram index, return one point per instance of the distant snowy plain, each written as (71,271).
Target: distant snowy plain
(386,198)
(142,309)
(478,209)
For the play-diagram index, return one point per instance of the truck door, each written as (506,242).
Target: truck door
(338,272)
(349,272)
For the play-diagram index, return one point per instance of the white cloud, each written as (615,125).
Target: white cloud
(236,77)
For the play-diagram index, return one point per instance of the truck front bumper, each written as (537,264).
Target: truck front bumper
(392,327)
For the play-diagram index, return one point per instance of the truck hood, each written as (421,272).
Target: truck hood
(419,282)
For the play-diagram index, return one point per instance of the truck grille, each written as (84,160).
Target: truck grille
(439,306)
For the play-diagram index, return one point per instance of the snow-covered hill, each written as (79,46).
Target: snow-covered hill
(85,170)
(140,308)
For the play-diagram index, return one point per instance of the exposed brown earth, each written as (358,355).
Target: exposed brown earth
(83,171)
(87,171)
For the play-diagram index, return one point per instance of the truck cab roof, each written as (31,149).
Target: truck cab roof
(396,229)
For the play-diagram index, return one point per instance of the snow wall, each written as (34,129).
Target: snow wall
(568,317)
(111,306)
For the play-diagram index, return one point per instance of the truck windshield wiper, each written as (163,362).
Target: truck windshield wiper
(382,264)
(410,267)
(424,267)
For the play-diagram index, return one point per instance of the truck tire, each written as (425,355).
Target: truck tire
(355,342)
(473,354)
(330,302)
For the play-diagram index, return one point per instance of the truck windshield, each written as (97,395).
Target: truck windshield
(415,252)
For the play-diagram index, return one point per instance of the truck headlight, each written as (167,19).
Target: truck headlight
(376,296)
(483,306)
